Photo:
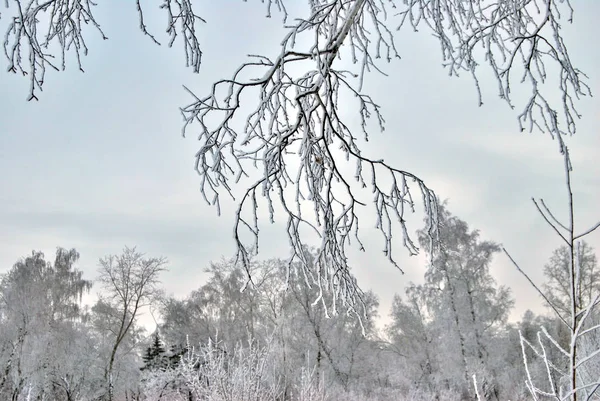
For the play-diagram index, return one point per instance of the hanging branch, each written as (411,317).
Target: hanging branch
(37,30)
(299,115)
(512,37)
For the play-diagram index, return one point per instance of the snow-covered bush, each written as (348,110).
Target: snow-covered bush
(212,372)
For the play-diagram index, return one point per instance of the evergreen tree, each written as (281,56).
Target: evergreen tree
(176,352)
(155,357)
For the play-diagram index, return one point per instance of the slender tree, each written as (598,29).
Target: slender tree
(574,300)
(130,282)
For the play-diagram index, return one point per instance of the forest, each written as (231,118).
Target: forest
(285,110)
(448,338)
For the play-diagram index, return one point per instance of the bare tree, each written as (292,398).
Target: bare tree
(295,136)
(580,313)
(130,281)
(558,273)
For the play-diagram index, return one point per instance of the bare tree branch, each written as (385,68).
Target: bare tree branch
(548,302)
(589,231)
(298,114)
(65,29)
(551,224)
(509,35)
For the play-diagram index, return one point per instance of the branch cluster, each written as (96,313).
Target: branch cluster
(299,114)
(27,41)
(509,34)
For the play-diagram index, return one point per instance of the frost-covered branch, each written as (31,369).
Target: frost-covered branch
(581,355)
(297,138)
(522,43)
(42,33)
(39,29)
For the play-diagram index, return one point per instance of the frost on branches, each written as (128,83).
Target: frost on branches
(573,294)
(295,135)
(213,372)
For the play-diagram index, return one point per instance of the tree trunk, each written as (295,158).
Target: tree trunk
(461,338)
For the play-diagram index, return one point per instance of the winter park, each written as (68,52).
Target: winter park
(289,200)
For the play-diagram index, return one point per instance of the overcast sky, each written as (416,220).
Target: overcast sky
(99,162)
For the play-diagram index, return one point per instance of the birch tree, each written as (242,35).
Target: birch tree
(412,339)
(130,281)
(39,314)
(296,137)
(467,303)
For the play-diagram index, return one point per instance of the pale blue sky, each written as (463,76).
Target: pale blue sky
(99,162)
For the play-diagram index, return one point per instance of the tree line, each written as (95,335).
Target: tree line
(448,338)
